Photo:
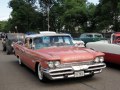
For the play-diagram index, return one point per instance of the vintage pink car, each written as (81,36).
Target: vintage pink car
(54,56)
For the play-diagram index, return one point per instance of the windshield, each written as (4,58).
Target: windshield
(48,41)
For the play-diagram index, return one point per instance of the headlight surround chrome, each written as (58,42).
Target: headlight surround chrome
(99,59)
(53,64)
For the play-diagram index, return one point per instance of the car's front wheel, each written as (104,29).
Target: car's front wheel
(40,74)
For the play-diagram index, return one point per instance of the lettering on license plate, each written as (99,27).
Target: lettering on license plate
(79,74)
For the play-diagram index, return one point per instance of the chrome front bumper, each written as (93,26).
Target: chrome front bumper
(73,71)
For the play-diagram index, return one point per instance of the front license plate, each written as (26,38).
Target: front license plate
(79,74)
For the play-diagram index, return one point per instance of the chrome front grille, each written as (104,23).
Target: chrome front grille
(68,70)
(75,64)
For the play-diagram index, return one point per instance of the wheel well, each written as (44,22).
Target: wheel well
(36,67)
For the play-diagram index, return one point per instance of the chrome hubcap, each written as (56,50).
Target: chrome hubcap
(40,75)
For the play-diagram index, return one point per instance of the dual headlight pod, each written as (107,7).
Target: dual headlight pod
(99,59)
(53,64)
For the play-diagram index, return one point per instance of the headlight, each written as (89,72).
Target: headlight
(57,63)
(97,60)
(101,59)
(53,64)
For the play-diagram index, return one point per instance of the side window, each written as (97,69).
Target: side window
(97,36)
(89,36)
(55,39)
(28,43)
(82,36)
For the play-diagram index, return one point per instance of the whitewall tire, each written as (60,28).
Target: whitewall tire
(19,61)
(40,74)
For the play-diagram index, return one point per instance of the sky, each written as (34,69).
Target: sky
(94,1)
(5,10)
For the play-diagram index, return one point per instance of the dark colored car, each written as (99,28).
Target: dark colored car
(1,35)
(90,37)
(9,39)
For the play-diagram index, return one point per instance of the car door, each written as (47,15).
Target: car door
(29,56)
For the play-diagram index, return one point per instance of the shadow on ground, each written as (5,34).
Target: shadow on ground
(113,66)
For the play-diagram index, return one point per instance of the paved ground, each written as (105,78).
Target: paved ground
(15,77)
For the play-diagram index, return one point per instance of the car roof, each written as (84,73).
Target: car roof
(49,34)
(8,35)
(15,33)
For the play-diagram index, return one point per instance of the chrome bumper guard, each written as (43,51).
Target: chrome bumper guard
(74,71)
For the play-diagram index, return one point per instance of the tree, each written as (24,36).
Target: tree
(24,16)
(69,16)
(107,13)
(2,25)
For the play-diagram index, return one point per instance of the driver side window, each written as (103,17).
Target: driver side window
(28,43)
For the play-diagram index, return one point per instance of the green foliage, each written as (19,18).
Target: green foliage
(2,25)
(65,15)
(24,16)
(107,13)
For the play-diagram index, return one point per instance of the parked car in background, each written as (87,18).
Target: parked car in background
(90,37)
(2,35)
(30,33)
(54,56)
(8,40)
(79,43)
(111,48)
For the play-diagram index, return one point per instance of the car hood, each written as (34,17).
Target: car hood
(68,54)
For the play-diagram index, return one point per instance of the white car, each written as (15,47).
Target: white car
(111,48)
(79,43)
